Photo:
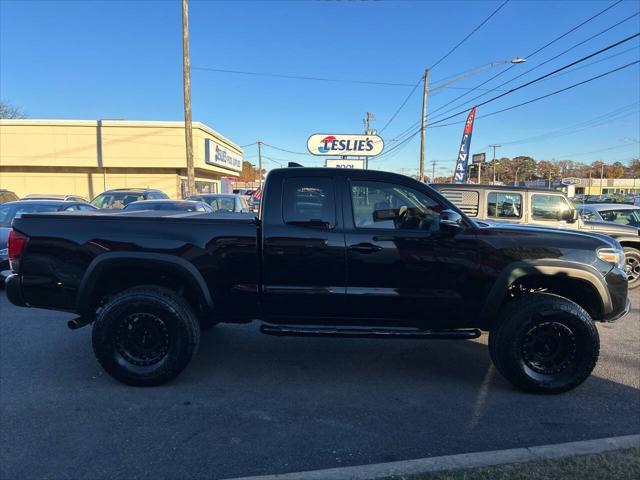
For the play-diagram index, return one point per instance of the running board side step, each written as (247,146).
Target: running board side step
(358,332)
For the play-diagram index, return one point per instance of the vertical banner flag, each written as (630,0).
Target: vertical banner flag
(460,175)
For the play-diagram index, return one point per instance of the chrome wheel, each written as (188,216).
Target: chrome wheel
(632,268)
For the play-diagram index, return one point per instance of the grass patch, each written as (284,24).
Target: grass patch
(615,465)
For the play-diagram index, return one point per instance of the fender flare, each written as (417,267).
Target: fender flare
(105,261)
(517,270)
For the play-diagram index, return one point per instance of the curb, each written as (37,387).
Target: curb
(460,461)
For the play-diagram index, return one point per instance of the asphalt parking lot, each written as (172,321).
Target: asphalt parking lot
(251,404)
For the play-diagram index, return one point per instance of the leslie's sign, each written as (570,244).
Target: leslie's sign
(345,145)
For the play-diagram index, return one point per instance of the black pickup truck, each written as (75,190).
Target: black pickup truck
(333,253)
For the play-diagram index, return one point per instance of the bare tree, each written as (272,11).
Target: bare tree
(9,111)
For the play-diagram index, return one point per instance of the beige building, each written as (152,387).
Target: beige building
(88,157)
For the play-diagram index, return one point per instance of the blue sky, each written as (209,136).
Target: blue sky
(122,59)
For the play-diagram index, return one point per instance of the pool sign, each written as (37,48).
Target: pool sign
(345,145)
(344,163)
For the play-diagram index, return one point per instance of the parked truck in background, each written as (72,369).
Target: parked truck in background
(332,253)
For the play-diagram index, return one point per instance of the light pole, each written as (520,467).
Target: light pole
(425,93)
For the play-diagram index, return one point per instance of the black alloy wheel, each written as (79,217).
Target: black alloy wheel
(145,335)
(544,343)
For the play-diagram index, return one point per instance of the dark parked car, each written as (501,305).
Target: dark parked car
(538,206)
(168,206)
(221,202)
(11,210)
(65,198)
(7,196)
(121,197)
(334,253)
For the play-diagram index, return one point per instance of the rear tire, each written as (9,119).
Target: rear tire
(544,343)
(632,260)
(145,336)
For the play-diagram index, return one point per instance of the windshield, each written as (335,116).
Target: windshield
(9,212)
(629,217)
(166,206)
(225,204)
(116,200)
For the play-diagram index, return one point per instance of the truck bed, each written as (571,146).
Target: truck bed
(64,248)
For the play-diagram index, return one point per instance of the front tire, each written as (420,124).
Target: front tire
(632,260)
(145,336)
(544,343)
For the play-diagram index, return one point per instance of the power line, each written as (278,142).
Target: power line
(541,97)
(573,47)
(600,150)
(535,52)
(414,124)
(471,33)
(395,114)
(414,134)
(301,77)
(285,150)
(519,87)
(603,119)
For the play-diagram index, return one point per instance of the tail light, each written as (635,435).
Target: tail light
(17,242)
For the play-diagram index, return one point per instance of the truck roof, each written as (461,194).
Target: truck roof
(474,186)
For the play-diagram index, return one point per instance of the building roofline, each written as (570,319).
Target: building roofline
(119,123)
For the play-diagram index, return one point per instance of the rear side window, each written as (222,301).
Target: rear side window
(465,200)
(548,207)
(309,201)
(504,205)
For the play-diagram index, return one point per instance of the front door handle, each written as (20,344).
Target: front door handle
(365,248)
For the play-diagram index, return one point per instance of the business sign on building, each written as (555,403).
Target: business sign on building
(478,158)
(343,163)
(219,156)
(345,145)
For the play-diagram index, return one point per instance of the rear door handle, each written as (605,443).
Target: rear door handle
(365,248)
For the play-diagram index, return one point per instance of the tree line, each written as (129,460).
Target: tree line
(523,168)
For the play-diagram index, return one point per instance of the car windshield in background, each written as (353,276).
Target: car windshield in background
(623,217)
(165,206)
(9,212)
(116,200)
(224,204)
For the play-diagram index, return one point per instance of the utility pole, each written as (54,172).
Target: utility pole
(368,131)
(601,177)
(433,170)
(186,75)
(260,161)
(425,92)
(367,124)
(494,161)
(479,173)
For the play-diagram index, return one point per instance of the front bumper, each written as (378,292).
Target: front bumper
(613,316)
(13,287)
(618,287)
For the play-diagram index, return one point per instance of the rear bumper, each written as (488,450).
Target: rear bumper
(13,287)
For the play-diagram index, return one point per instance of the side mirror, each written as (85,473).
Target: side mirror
(569,216)
(450,220)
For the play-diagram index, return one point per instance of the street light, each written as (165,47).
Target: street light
(444,85)
(475,71)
